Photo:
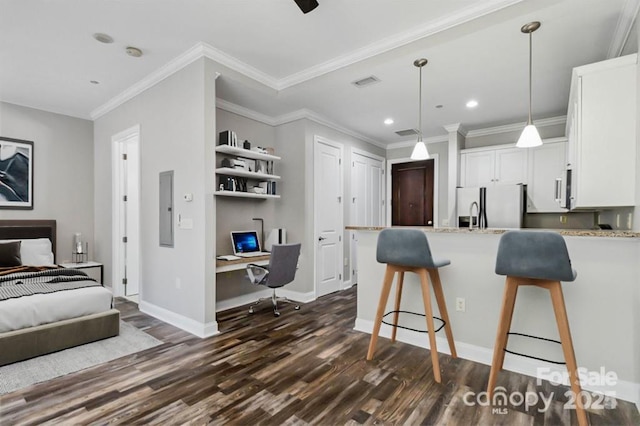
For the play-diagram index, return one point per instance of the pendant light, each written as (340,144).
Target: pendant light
(530,136)
(420,150)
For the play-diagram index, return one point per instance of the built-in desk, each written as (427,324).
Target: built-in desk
(239,264)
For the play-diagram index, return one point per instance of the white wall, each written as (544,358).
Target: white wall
(63,172)
(177,128)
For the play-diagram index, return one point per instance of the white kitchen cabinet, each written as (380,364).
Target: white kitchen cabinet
(546,177)
(493,166)
(601,127)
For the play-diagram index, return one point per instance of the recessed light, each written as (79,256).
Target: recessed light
(103,38)
(472,104)
(133,51)
(388,121)
(94,82)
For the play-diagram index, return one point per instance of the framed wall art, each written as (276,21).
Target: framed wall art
(16,174)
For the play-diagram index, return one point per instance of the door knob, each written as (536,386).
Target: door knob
(321,238)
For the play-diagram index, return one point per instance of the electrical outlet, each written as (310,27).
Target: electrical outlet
(346,261)
(617,220)
(629,221)
(460,305)
(178,283)
(563,218)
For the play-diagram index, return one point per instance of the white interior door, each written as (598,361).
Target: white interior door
(367,198)
(328,215)
(126,212)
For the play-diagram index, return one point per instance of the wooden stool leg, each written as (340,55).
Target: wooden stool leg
(562,320)
(504,324)
(426,297)
(397,305)
(382,304)
(442,307)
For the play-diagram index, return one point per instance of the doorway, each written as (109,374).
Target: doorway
(126,213)
(328,215)
(412,193)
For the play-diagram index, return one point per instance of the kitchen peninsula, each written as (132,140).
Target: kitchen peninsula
(603,303)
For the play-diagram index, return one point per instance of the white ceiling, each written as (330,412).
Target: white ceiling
(283,61)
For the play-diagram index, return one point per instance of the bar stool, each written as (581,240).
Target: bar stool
(407,250)
(540,259)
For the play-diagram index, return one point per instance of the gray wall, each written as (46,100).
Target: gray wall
(442,149)
(177,124)
(235,214)
(63,172)
(546,132)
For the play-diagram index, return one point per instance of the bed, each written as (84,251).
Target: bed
(37,324)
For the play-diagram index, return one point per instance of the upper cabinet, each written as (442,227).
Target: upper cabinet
(493,166)
(546,177)
(601,127)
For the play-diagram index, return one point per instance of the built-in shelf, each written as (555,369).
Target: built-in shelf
(246,153)
(240,194)
(243,173)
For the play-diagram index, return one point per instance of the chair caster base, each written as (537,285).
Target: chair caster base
(251,310)
(297,307)
(276,313)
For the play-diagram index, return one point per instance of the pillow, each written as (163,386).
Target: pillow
(35,251)
(10,254)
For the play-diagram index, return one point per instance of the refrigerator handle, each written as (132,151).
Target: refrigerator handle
(558,190)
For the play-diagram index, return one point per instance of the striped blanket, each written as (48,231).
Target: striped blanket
(21,284)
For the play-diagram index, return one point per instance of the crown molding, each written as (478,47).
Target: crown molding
(430,139)
(381,46)
(245,112)
(290,117)
(623,29)
(191,55)
(237,65)
(456,127)
(515,127)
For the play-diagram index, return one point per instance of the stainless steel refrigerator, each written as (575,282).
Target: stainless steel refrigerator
(505,205)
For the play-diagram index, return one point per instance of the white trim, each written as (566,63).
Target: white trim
(509,145)
(623,28)
(378,47)
(412,142)
(243,299)
(366,154)
(625,390)
(515,127)
(436,199)
(116,195)
(202,330)
(316,141)
(170,68)
(299,114)
(235,64)
(456,127)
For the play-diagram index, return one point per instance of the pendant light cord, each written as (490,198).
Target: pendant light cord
(420,107)
(530,72)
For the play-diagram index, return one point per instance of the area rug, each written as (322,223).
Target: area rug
(22,374)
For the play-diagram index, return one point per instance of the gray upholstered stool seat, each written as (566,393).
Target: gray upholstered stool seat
(407,250)
(535,258)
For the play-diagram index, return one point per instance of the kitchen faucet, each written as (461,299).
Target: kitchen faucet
(471,213)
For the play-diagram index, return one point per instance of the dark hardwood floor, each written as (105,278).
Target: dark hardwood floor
(305,367)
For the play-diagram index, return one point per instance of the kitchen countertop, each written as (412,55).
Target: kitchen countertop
(564,232)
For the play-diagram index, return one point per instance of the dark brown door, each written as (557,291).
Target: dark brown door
(412,193)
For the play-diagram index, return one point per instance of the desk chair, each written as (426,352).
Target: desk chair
(281,271)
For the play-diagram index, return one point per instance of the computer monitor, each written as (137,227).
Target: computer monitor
(245,242)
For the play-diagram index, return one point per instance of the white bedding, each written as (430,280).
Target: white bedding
(40,309)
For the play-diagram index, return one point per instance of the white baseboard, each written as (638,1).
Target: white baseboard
(245,299)
(189,325)
(625,390)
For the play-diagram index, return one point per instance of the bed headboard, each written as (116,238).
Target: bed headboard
(23,229)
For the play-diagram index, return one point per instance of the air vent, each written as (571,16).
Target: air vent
(407,132)
(366,81)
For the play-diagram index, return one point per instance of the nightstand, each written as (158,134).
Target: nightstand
(86,265)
